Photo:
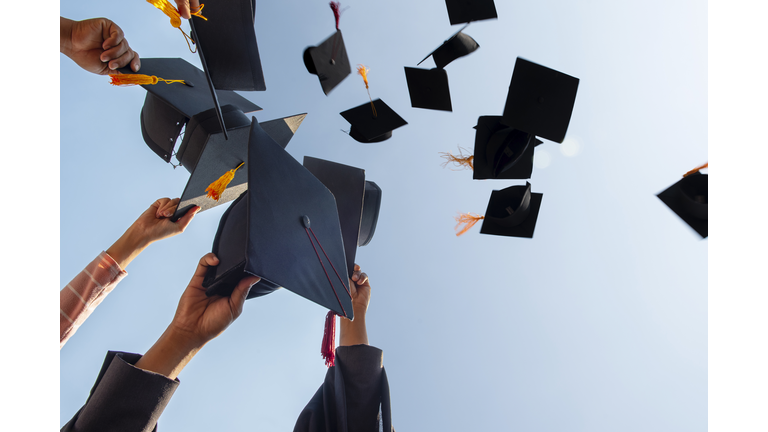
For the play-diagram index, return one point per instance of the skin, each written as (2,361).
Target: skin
(185,6)
(354,332)
(96,45)
(198,320)
(153,225)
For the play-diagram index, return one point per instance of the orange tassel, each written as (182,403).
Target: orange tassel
(139,79)
(173,14)
(696,169)
(216,188)
(466,218)
(363,72)
(460,161)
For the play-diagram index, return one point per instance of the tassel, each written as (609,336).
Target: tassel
(336,12)
(466,218)
(460,161)
(363,72)
(216,188)
(173,14)
(696,169)
(327,349)
(139,79)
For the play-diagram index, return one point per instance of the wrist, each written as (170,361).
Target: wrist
(170,354)
(127,247)
(65,36)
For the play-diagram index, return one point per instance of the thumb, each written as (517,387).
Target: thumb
(240,294)
(187,218)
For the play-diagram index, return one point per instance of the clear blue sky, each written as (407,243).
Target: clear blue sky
(598,323)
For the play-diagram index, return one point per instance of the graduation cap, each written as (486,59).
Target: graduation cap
(428,88)
(358,202)
(367,128)
(168,107)
(208,156)
(464,11)
(540,100)
(502,152)
(511,212)
(328,61)
(688,198)
(285,231)
(456,46)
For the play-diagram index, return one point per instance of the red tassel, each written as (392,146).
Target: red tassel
(328,349)
(336,12)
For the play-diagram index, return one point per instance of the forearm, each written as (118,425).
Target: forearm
(65,35)
(354,332)
(170,354)
(127,248)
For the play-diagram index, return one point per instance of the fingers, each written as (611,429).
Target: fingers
(208,260)
(358,276)
(112,35)
(183,7)
(185,220)
(165,207)
(240,294)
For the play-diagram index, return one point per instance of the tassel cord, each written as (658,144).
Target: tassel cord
(326,271)
(697,169)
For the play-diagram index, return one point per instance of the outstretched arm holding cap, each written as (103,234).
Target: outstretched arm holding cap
(96,45)
(355,332)
(132,391)
(89,288)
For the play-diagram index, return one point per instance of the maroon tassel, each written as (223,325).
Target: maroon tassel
(336,12)
(328,349)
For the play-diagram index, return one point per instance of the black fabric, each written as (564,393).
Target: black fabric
(124,398)
(329,61)
(464,11)
(428,88)
(501,152)
(688,198)
(366,127)
(512,212)
(161,125)
(458,45)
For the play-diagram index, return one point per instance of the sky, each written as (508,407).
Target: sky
(598,323)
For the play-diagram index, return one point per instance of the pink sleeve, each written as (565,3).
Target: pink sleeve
(81,296)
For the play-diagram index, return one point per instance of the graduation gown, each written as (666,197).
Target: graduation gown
(351,395)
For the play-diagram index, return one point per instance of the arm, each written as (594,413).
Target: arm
(96,45)
(355,332)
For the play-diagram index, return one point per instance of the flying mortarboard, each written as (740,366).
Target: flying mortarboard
(328,61)
(285,231)
(456,46)
(464,11)
(358,202)
(369,129)
(428,88)
(502,152)
(688,198)
(540,100)
(511,212)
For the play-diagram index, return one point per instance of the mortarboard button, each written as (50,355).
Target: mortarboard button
(688,198)
(512,212)
(502,152)
(285,231)
(366,128)
(456,46)
(540,100)
(328,61)
(428,88)
(464,11)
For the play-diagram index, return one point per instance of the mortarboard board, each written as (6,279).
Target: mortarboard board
(502,152)
(285,231)
(168,107)
(512,212)
(688,198)
(328,61)
(207,155)
(369,129)
(357,200)
(464,11)
(456,46)
(540,100)
(428,88)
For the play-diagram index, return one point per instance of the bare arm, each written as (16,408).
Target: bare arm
(355,332)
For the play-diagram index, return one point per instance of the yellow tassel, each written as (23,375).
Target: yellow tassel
(460,161)
(173,14)
(466,218)
(696,169)
(363,72)
(138,79)
(216,188)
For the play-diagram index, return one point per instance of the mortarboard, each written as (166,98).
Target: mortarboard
(366,128)
(328,61)
(464,11)
(511,212)
(502,152)
(688,198)
(357,200)
(168,107)
(207,155)
(428,88)
(456,46)
(540,100)
(285,231)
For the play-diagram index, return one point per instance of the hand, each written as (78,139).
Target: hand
(200,318)
(187,6)
(97,45)
(360,288)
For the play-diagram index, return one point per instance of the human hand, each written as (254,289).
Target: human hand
(200,318)
(187,6)
(97,45)
(154,224)
(360,288)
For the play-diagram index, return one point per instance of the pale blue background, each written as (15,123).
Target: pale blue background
(599,323)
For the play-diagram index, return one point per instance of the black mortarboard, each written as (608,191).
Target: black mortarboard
(502,152)
(464,11)
(168,107)
(512,212)
(540,100)
(285,231)
(357,200)
(456,46)
(328,61)
(688,198)
(207,155)
(369,129)
(429,88)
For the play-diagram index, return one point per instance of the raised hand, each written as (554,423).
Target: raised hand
(97,45)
